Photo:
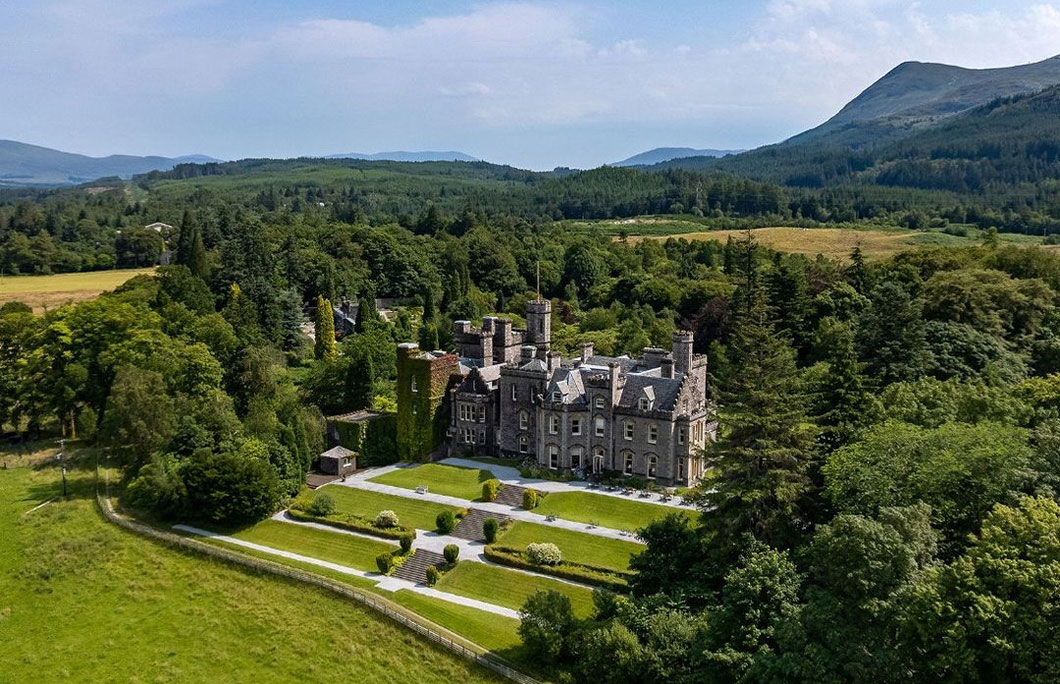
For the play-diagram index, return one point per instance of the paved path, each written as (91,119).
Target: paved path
(516,513)
(383,582)
(510,475)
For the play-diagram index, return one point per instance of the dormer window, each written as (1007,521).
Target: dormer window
(643,404)
(557,397)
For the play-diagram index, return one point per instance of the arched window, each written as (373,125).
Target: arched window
(598,460)
(576,458)
(652,462)
(524,444)
(524,420)
(627,462)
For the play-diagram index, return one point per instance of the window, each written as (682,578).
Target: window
(481,436)
(524,420)
(466,411)
(553,457)
(628,465)
(651,466)
(576,458)
(643,404)
(598,460)
(482,413)
(601,427)
(681,435)
(681,470)
(412,384)
(599,402)
(553,425)
(627,430)
(469,436)
(575,426)
(653,434)
(524,444)
(515,392)
(556,397)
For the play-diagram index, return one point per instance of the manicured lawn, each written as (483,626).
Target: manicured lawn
(411,512)
(82,600)
(606,511)
(508,588)
(490,460)
(463,483)
(493,632)
(577,547)
(335,547)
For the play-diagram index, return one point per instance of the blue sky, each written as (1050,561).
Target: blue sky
(534,84)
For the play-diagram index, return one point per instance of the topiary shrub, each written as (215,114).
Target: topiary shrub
(529,499)
(384,562)
(490,489)
(445,522)
(489,529)
(406,541)
(432,575)
(451,553)
(544,554)
(323,505)
(387,519)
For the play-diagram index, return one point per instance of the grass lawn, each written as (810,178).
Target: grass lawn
(606,511)
(82,600)
(490,460)
(411,512)
(52,291)
(493,632)
(335,547)
(508,588)
(577,547)
(463,483)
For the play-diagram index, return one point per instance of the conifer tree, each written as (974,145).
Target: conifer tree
(360,376)
(764,451)
(197,262)
(892,337)
(324,330)
(430,309)
(367,314)
(428,336)
(844,404)
(856,274)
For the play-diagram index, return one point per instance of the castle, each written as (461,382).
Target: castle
(506,393)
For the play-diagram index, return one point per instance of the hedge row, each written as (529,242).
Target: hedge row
(353,524)
(576,572)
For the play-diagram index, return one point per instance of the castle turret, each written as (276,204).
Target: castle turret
(682,350)
(539,323)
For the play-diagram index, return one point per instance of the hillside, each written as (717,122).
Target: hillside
(402,156)
(22,164)
(662,154)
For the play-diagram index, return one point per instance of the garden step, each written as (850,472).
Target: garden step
(511,495)
(470,526)
(414,569)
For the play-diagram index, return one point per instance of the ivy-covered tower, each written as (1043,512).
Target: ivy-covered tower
(422,409)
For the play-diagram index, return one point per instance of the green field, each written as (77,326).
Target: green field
(490,631)
(463,483)
(509,588)
(336,547)
(352,580)
(411,512)
(52,291)
(605,511)
(577,547)
(84,601)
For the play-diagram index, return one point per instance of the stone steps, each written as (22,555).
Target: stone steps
(470,526)
(511,495)
(414,569)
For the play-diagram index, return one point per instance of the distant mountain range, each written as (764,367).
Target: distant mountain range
(426,155)
(28,165)
(663,154)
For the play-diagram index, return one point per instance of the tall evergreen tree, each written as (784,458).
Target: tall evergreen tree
(789,301)
(367,314)
(324,330)
(197,262)
(856,273)
(764,452)
(844,403)
(360,376)
(892,337)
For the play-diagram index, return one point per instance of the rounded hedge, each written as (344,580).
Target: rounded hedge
(322,506)
(406,541)
(490,489)
(445,522)
(451,553)
(384,562)
(432,575)
(489,529)
(529,499)
(387,519)
(544,554)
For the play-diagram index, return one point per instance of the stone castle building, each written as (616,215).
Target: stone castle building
(508,394)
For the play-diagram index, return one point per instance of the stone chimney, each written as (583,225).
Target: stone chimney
(526,353)
(667,367)
(486,348)
(587,351)
(461,327)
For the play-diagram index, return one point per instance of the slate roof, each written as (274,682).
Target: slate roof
(568,382)
(337,452)
(665,389)
(624,362)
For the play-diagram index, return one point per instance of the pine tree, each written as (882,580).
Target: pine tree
(892,337)
(367,314)
(789,301)
(856,274)
(360,376)
(428,336)
(764,452)
(197,262)
(325,331)
(844,404)
(187,228)
(430,309)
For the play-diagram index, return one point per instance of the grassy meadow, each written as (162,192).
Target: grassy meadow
(82,600)
(52,291)
(605,511)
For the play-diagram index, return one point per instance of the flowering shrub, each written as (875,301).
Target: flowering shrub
(544,554)
(387,519)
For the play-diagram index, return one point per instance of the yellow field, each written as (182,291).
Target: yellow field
(831,242)
(52,291)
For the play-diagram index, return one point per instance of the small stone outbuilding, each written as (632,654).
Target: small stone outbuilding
(338,461)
